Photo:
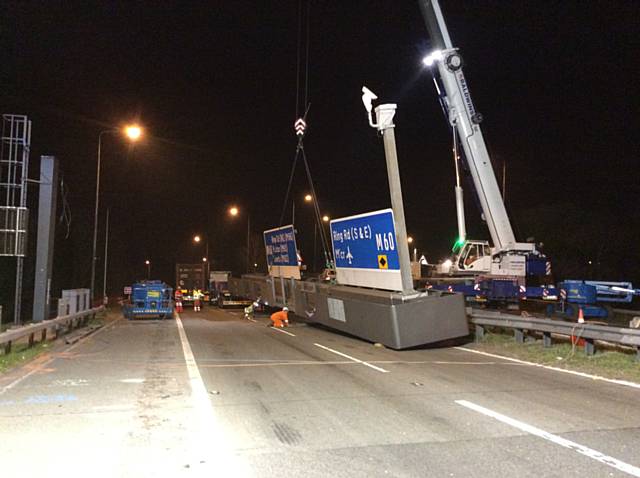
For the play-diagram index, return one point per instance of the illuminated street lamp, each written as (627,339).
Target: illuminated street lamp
(410,240)
(148,264)
(197,239)
(326,218)
(234,211)
(308,198)
(133,133)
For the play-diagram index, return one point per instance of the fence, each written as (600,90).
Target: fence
(59,324)
(588,332)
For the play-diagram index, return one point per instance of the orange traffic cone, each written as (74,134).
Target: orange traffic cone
(575,340)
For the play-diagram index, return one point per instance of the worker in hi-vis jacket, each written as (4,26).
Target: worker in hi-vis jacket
(280,319)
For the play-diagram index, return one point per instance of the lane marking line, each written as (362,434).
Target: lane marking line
(583,450)
(40,366)
(252,320)
(198,390)
(379,369)
(277,364)
(625,383)
(208,440)
(283,331)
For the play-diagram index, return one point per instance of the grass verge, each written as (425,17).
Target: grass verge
(20,354)
(615,364)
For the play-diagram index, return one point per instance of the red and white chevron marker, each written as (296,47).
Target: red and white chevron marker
(300,125)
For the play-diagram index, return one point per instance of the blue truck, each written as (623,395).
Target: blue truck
(151,298)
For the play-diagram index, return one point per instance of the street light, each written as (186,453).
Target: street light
(326,218)
(197,239)
(133,133)
(410,240)
(234,211)
(148,264)
(308,198)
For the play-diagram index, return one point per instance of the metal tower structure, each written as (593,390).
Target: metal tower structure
(14,170)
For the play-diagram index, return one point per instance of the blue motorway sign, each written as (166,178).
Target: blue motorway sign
(280,245)
(366,241)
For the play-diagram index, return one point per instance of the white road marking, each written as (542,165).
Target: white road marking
(276,364)
(583,450)
(283,331)
(557,369)
(252,320)
(47,362)
(132,380)
(70,382)
(209,439)
(352,358)
(198,390)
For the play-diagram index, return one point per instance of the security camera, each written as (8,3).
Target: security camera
(367,97)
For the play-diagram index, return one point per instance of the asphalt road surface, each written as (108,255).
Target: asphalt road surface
(214,394)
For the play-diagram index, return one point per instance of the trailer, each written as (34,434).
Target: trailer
(190,278)
(220,293)
(151,298)
(593,298)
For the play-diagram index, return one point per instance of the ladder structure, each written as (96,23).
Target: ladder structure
(14,171)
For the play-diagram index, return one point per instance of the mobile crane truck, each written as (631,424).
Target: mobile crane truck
(497,272)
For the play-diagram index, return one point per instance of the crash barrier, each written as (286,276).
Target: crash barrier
(65,323)
(587,332)
(395,320)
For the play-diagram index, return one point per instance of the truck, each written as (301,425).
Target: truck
(190,277)
(220,292)
(150,298)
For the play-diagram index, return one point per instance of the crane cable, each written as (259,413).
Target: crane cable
(300,127)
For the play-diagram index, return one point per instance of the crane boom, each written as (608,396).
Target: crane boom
(466,120)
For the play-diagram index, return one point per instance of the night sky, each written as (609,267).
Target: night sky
(214,85)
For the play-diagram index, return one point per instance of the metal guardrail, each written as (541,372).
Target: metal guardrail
(632,313)
(58,324)
(588,332)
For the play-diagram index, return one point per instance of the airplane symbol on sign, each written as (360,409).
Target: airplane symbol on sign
(349,255)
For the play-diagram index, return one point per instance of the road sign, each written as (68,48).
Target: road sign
(282,253)
(365,250)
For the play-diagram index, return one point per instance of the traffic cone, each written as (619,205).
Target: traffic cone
(575,340)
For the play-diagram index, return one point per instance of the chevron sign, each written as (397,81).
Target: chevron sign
(300,125)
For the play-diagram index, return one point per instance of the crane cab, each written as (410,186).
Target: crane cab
(472,257)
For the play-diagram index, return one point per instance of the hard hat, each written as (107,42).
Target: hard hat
(286,309)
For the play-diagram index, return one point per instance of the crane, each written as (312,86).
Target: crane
(506,257)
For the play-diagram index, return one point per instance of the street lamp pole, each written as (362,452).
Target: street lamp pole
(95,215)
(106,250)
(133,132)
(248,239)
